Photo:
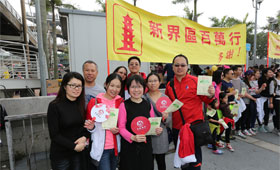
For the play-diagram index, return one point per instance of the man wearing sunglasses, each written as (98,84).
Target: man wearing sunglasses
(186,90)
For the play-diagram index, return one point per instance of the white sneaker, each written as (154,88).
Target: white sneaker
(239,133)
(267,128)
(245,132)
(262,129)
(276,131)
(252,132)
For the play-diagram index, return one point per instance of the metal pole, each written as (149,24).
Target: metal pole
(42,57)
(255,35)
(9,134)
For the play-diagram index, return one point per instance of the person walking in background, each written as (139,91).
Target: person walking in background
(274,101)
(266,78)
(66,116)
(228,118)
(170,73)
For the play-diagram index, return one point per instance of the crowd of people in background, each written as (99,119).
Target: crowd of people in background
(78,142)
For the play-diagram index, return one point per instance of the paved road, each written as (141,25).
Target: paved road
(261,152)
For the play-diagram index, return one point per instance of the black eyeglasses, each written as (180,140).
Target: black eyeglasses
(180,65)
(74,86)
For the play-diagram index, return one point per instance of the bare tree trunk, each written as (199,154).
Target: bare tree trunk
(195,11)
(134,2)
(54,42)
(44,32)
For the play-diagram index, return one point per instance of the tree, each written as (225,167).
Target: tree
(273,24)
(50,6)
(102,4)
(195,15)
(189,14)
(226,21)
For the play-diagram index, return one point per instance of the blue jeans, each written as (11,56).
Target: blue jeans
(108,160)
(71,163)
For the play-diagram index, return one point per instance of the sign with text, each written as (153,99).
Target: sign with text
(273,45)
(132,31)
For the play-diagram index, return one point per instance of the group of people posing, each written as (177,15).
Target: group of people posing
(78,142)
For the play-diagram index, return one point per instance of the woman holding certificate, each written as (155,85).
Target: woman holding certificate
(160,143)
(104,149)
(136,149)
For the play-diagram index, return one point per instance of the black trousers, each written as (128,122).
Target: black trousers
(198,154)
(227,134)
(266,113)
(160,159)
(276,118)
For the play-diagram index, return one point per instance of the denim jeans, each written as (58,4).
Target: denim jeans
(71,163)
(108,160)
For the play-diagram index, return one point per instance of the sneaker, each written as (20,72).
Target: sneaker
(252,132)
(229,147)
(276,132)
(218,152)
(239,133)
(245,132)
(262,129)
(267,128)
(231,137)
(254,129)
(210,146)
(220,145)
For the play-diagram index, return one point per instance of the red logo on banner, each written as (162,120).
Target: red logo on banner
(127,35)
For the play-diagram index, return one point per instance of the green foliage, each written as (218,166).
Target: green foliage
(226,21)
(102,4)
(273,27)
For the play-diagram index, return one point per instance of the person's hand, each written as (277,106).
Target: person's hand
(254,99)
(263,86)
(115,130)
(89,124)
(81,140)
(159,130)
(138,138)
(80,147)
(240,95)
(270,105)
(211,91)
(164,115)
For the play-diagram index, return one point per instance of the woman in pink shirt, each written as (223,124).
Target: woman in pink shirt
(136,150)
(104,150)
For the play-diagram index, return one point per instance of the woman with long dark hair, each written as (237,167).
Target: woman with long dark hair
(66,117)
(266,78)
(217,82)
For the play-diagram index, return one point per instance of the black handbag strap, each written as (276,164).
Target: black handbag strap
(172,86)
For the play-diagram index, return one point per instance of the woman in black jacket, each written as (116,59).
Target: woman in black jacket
(66,117)
(266,78)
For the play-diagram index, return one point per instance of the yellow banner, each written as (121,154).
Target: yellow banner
(132,31)
(273,45)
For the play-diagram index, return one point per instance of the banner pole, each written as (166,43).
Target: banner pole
(267,62)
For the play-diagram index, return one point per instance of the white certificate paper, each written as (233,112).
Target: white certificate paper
(175,105)
(155,123)
(112,121)
(203,84)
